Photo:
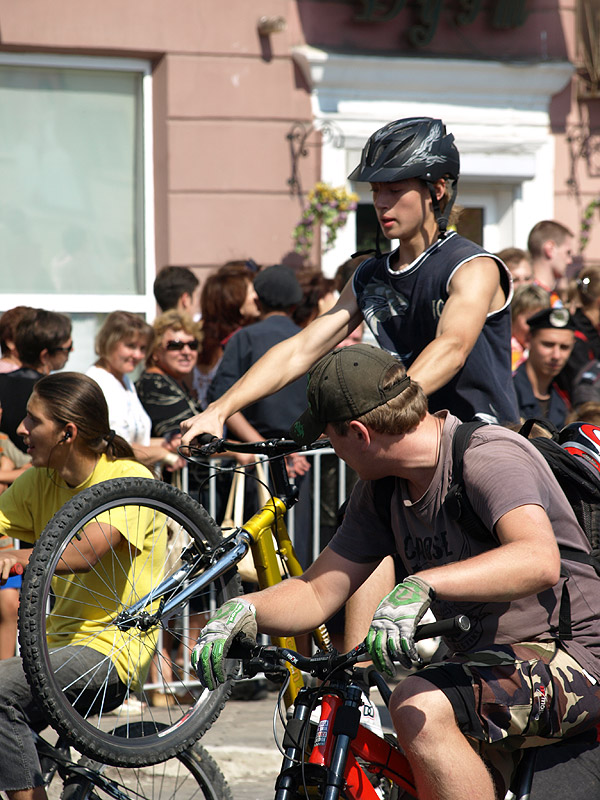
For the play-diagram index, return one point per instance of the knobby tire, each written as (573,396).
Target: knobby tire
(193,775)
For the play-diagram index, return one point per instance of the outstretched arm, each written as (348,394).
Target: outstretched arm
(474,293)
(301,604)
(282,364)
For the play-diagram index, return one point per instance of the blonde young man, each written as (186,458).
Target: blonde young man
(512,681)
(550,246)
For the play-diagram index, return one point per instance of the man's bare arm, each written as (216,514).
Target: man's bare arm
(282,364)
(526,563)
(474,293)
(300,604)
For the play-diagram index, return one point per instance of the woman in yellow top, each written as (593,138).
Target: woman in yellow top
(72,447)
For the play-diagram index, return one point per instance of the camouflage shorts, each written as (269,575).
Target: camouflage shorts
(510,697)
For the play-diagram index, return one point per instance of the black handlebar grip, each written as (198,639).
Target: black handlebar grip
(444,627)
(205,438)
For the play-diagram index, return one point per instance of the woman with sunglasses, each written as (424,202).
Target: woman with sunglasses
(163,387)
(121,344)
(163,391)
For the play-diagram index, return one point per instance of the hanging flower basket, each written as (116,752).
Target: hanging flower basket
(586,223)
(327,206)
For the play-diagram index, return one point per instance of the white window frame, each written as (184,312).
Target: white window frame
(101,303)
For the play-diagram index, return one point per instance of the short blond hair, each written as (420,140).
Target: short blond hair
(118,326)
(176,321)
(528,297)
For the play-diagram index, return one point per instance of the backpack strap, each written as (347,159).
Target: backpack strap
(460,509)
(457,504)
(527,426)
(383,489)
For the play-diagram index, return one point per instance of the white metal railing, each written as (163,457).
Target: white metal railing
(314,477)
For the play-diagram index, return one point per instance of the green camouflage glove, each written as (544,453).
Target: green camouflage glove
(235,616)
(390,636)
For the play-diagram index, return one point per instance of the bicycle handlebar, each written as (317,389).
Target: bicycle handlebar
(269,659)
(209,445)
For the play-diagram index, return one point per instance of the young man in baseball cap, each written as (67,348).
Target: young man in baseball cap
(552,337)
(460,724)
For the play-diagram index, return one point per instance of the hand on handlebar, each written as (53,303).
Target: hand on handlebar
(391,636)
(209,421)
(297,465)
(208,656)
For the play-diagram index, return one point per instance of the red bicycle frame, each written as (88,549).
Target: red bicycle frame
(380,757)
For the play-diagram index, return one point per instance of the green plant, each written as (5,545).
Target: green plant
(327,206)
(586,223)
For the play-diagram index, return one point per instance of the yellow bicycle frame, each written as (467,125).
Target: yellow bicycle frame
(264,527)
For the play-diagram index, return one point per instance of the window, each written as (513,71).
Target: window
(76,225)
(366,229)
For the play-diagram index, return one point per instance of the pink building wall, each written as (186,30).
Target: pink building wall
(225,98)
(548,33)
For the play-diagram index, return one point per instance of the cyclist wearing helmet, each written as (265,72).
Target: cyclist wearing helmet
(439,302)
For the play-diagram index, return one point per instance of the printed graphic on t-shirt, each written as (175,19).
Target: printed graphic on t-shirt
(380,304)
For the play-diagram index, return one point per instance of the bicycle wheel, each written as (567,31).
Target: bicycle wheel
(112,606)
(192,775)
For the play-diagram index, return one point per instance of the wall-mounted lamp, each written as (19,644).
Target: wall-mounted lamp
(298,136)
(268,25)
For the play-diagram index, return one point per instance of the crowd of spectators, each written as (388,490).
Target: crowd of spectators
(208,335)
(555,314)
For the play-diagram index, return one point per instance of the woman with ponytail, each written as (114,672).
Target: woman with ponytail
(72,447)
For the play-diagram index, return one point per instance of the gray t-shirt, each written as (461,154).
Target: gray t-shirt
(502,471)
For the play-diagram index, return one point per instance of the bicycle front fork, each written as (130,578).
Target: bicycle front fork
(326,766)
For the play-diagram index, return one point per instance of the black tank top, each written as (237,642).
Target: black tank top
(403,309)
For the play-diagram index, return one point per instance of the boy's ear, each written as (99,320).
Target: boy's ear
(361,432)
(440,188)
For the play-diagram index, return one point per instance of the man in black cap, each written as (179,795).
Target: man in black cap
(552,340)
(460,723)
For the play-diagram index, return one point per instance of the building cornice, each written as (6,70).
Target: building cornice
(340,80)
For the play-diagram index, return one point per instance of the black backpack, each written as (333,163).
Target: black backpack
(580,486)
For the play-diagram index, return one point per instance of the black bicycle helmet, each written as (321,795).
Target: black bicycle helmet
(417,147)
(582,439)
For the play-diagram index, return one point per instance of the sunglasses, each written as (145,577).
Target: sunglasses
(176,344)
(68,349)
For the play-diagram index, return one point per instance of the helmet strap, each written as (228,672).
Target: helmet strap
(377,249)
(442,218)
